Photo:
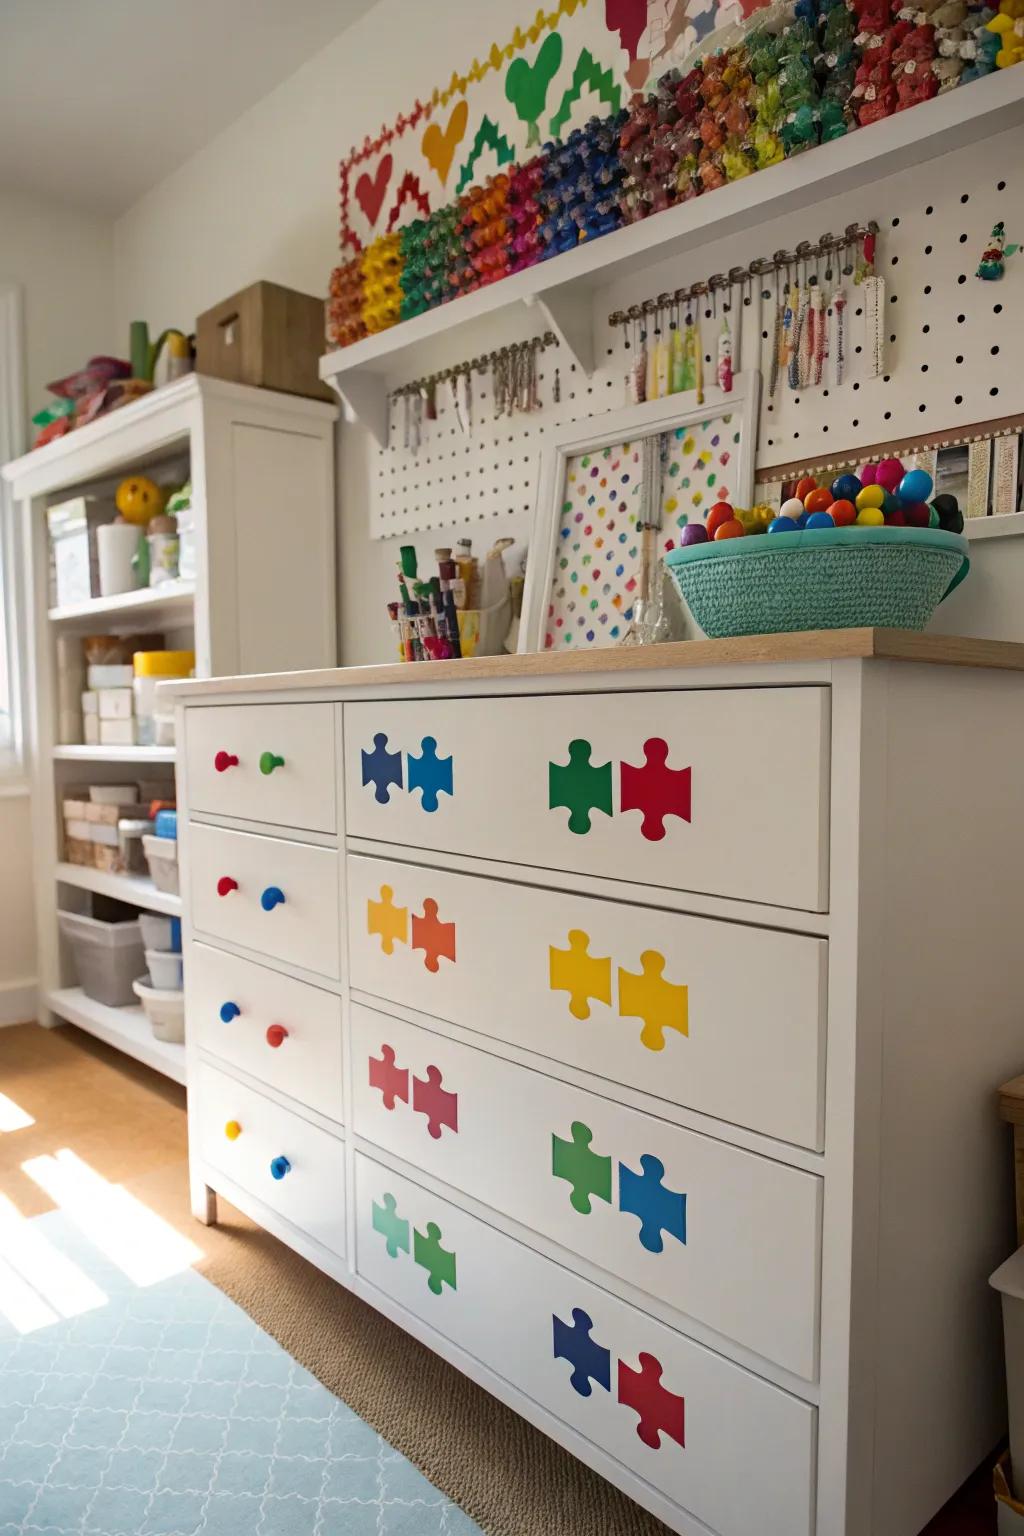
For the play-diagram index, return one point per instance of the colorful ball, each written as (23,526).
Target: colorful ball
(891,504)
(783,524)
(791,508)
(890,473)
(845,487)
(729,530)
(917,514)
(842,512)
(916,486)
(867,474)
(870,496)
(820,520)
(694,533)
(720,513)
(803,519)
(895,519)
(933,518)
(804,488)
(818,499)
(870,517)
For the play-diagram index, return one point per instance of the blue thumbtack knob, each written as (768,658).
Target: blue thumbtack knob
(229,1011)
(272,897)
(279,1167)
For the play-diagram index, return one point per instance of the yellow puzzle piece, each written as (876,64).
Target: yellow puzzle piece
(661,1004)
(389,922)
(583,976)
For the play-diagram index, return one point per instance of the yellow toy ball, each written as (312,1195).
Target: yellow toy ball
(139,499)
(870,517)
(870,496)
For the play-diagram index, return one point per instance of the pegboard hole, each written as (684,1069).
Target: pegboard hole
(958,399)
(994,390)
(888,415)
(994,351)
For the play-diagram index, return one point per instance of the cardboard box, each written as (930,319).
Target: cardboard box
(99,675)
(117,733)
(115,703)
(91,730)
(268,336)
(90,703)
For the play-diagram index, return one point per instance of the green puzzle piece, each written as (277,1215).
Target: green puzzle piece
(428,1253)
(580,786)
(587,1172)
(390,1225)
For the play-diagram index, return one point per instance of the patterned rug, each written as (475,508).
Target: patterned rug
(158,1408)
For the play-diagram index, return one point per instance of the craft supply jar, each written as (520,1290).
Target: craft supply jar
(152,668)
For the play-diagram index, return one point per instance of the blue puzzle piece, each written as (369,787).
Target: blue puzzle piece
(382,768)
(659,1209)
(590,1361)
(430,773)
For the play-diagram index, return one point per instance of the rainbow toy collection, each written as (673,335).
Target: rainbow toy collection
(831,67)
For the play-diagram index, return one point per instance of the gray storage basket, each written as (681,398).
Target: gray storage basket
(108,956)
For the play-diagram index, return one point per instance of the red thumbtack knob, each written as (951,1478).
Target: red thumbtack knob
(225,760)
(225,885)
(276,1034)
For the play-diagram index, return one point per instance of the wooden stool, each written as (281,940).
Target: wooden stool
(1011,1109)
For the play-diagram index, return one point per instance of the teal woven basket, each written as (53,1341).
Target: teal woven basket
(819,578)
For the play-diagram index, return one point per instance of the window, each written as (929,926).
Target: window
(12,443)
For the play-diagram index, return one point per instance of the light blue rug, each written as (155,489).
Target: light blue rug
(165,1411)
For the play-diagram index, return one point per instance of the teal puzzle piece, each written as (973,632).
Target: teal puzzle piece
(390,1225)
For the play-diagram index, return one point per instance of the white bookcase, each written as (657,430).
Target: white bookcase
(262,472)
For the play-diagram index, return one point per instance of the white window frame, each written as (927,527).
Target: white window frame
(12,445)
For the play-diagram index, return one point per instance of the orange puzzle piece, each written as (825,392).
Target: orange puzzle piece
(661,1004)
(436,939)
(583,976)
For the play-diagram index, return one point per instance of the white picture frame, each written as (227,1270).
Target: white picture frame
(631,422)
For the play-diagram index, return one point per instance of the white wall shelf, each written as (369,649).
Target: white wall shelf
(994,527)
(170,602)
(78,754)
(138,890)
(127,1029)
(564,287)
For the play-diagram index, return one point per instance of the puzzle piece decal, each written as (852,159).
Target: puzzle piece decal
(583,976)
(659,1209)
(390,1225)
(587,1172)
(661,1004)
(436,939)
(392,1081)
(590,1361)
(580,786)
(382,768)
(655,789)
(661,1411)
(430,1099)
(390,923)
(430,774)
(438,1261)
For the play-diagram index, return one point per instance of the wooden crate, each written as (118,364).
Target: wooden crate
(266,335)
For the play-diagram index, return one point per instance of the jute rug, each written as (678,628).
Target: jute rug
(129,1124)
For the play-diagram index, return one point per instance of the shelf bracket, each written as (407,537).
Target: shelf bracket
(569,313)
(365,396)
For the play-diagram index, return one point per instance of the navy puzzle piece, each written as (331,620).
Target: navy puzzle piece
(590,1361)
(382,768)
(430,774)
(659,1209)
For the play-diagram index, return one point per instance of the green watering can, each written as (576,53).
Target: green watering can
(144,353)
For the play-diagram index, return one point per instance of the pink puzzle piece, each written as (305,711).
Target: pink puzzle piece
(655,789)
(661,1412)
(439,1106)
(392,1081)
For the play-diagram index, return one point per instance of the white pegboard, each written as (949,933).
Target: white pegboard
(950,358)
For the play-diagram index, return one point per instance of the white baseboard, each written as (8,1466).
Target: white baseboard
(18,1002)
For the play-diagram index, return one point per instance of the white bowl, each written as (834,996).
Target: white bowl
(165,1010)
(166,973)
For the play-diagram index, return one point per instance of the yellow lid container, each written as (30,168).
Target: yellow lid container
(164,663)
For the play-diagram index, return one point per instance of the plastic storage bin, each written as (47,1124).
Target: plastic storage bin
(158,933)
(152,668)
(165,970)
(108,955)
(130,832)
(162,858)
(164,1010)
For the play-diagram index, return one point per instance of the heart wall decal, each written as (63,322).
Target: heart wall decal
(371,190)
(439,145)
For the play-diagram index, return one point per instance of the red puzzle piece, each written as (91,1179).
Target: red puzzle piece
(436,939)
(439,1106)
(655,789)
(661,1412)
(392,1081)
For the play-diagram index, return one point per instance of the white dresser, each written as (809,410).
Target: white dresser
(626,1026)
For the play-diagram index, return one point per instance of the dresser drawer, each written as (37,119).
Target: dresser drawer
(295,1168)
(264,762)
(719,1442)
(720,1017)
(274,897)
(721,791)
(727,1237)
(277,1029)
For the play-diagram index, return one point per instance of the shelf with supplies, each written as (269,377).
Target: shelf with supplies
(76,753)
(127,1029)
(562,288)
(137,890)
(169,603)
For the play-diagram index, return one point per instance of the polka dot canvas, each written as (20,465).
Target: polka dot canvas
(597,556)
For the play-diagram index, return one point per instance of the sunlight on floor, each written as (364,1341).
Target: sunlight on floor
(12,1116)
(142,1245)
(23,1308)
(56,1278)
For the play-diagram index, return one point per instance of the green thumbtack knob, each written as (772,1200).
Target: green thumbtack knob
(269,761)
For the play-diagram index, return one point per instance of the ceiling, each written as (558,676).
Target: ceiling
(100,99)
